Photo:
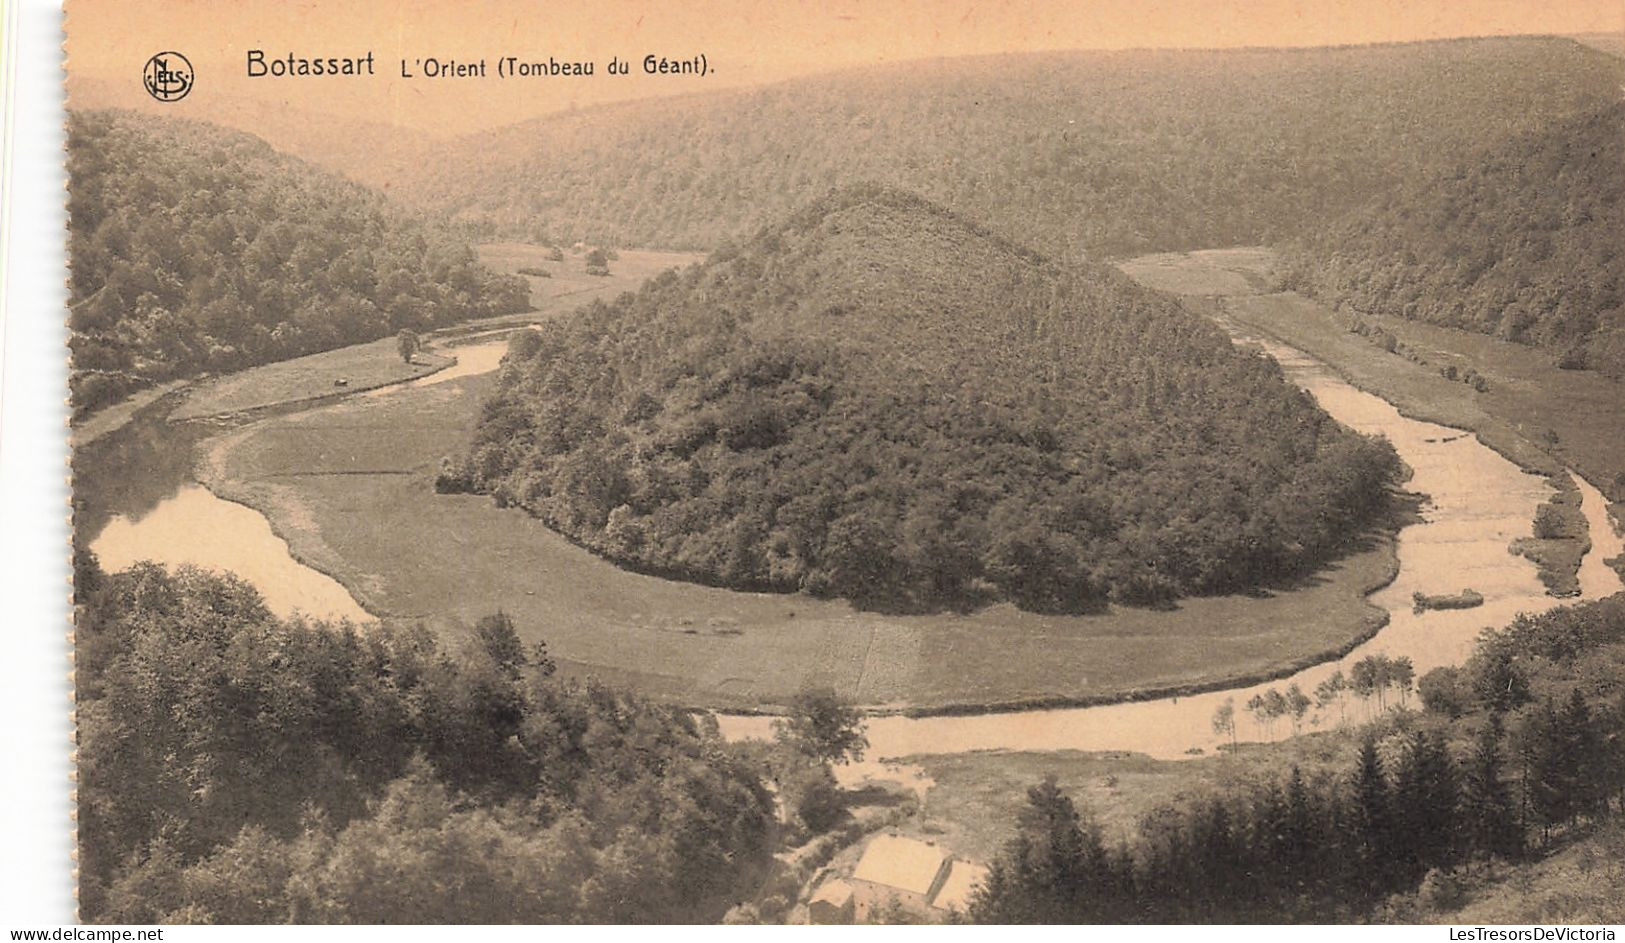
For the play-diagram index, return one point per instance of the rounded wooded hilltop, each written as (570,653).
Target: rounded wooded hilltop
(878,400)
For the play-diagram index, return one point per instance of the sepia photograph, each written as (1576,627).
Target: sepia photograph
(870,462)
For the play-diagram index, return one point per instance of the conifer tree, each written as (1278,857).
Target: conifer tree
(1541,754)
(1371,813)
(1049,868)
(1437,819)
(1580,757)
(1489,824)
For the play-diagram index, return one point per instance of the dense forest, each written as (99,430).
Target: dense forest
(239,768)
(1519,748)
(1104,153)
(199,249)
(1522,242)
(879,400)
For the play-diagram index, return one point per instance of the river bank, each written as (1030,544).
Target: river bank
(376,364)
(1479,503)
(1542,418)
(112,418)
(1432,440)
(346,488)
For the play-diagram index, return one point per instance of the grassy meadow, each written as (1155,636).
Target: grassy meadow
(349,486)
(974,797)
(568,281)
(361,367)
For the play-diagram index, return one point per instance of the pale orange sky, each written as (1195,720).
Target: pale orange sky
(745,42)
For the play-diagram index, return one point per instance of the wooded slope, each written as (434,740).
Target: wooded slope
(196,248)
(1106,153)
(879,400)
(1524,243)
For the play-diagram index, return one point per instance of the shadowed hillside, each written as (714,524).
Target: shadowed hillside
(195,248)
(1523,243)
(879,400)
(1107,153)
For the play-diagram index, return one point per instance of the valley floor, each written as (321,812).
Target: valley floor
(349,486)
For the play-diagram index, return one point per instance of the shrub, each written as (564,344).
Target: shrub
(1443,693)
(1443,890)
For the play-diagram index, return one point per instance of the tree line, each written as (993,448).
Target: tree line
(197,249)
(1369,681)
(878,400)
(1523,744)
(239,768)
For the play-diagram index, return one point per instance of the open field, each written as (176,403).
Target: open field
(1527,399)
(569,280)
(362,367)
(1535,414)
(1578,416)
(974,798)
(349,486)
(1244,270)
(1209,280)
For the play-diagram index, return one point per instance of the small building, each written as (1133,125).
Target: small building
(834,903)
(905,869)
(963,878)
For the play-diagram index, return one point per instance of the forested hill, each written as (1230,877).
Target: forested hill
(1105,153)
(238,768)
(879,400)
(374,153)
(196,248)
(1524,243)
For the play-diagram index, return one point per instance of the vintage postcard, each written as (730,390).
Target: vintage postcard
(870,462)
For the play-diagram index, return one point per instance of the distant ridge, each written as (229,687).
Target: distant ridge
(374,153)
(1098,153)
(1611,43)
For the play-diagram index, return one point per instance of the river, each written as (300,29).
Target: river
(1478,504)
(187,524)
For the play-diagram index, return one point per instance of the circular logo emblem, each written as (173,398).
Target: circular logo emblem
(167,76)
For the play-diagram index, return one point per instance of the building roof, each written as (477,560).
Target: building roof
(834,891)
(962,879)
(903,863)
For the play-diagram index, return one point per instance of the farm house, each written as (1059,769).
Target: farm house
(919,875)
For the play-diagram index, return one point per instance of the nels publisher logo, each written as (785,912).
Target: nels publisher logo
(167,76)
